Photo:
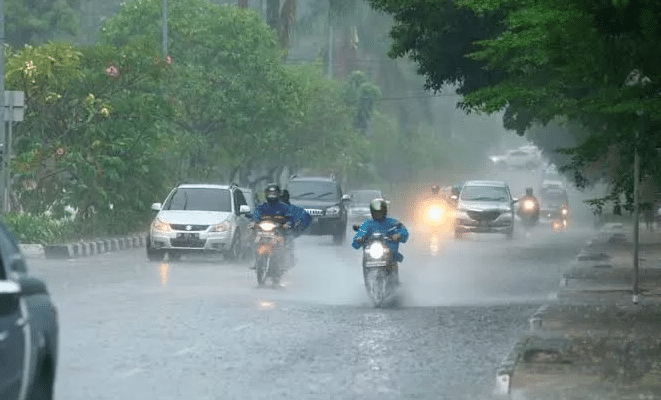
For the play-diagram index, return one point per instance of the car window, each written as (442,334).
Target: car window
(364,196)
(313,190)
(485,193)
(199,199)
(519,153)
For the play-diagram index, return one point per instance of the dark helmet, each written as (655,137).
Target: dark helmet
(285,196)
(272,192)
(435,189)
(378,208)
(528,191)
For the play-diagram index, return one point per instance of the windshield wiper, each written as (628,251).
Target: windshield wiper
(325,194)
(301,195)
(486,198)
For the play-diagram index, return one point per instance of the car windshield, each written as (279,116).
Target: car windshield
(484,193)
(312,190)
(364,196)
(199,199)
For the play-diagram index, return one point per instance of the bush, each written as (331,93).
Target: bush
(41,229)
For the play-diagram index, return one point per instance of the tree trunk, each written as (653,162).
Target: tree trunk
(243,3)
(273,14)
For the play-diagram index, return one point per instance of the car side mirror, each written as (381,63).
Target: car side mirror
(156,207)
(355,228)
(244,209)
(388,202)
(515,200)
(346,197)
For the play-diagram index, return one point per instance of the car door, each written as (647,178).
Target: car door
(12,337)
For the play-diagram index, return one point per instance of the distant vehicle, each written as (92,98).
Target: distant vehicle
(198,218)
(29,329)
(322,198)
(359,204)
(485,207)
(528,157)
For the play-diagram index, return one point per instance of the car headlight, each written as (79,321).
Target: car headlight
(267,226)
(376,250)
(435,213)
(565,211)
(160,226)
(333,210)
(221,227)
(461,214)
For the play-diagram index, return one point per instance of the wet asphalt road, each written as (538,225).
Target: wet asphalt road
(200,328)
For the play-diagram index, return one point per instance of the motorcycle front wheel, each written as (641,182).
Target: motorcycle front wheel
(376,283)
(263,266)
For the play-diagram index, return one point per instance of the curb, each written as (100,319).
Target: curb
(91,248)
(507,366)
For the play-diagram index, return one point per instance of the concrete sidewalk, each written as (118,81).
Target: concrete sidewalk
(593,342)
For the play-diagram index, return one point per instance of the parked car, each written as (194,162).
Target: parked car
(359,204)
(322,198)
(29,329)
(485,207)
(197,218)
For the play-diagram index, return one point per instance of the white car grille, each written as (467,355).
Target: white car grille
(314,211)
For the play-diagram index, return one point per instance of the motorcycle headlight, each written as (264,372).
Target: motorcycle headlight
(565,211)
(266,226)
(435,213)
(528,205)
(221,227)
(376,250)
(333,210)
(160,226)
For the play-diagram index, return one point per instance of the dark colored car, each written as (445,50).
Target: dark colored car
(322,198)
(28,328)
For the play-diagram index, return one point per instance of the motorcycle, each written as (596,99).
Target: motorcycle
(529,213)
(271,249)
(560,222)
(378,263)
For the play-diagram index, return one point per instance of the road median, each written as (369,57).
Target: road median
(85,248)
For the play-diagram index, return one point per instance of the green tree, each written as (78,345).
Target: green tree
(90,140)
(36,22)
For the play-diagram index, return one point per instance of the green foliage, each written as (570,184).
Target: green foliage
(41,229)
(36,22)
(89,140)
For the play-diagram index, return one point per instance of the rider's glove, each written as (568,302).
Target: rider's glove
(251,225)
(396,237)
(287,225)
(360,240)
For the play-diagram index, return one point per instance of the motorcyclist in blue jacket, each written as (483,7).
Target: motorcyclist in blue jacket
(297,218)
(382,224)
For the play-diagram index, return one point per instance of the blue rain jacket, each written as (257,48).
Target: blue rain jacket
(371,225)
(296,216)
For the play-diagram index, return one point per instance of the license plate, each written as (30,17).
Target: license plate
(375,264)
(483,223)
(188,235)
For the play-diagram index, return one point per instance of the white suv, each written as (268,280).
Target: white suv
(486,207)
(200,218)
